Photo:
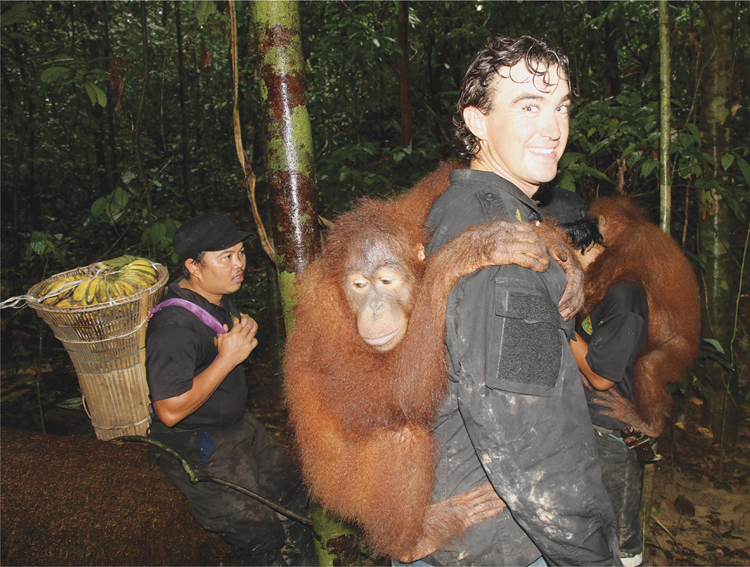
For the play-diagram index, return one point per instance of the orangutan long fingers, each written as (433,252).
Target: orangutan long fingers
(484,510)
(525,260)
(573,296)
(601,401)
(571,301)
(480,503)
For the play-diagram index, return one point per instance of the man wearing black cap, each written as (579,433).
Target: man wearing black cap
(196,343)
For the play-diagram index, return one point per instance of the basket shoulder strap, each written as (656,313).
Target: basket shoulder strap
(205,317)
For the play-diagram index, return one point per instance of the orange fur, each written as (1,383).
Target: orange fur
(362,418)
(638,251)
(363,438)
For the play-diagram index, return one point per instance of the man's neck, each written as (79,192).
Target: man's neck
(480,165)
(195,288)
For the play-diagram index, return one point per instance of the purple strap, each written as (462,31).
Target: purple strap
(205,317)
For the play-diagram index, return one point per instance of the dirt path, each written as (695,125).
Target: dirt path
(74,501)
(698,518)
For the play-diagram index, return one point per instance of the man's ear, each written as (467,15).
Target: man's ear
(476,122)
(193,267)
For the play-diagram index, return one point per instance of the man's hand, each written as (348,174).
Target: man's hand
(237,344)
(469,508)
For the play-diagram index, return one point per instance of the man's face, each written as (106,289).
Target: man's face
(221,273)
(524,135)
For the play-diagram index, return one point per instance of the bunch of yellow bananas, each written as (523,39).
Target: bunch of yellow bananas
(100,282)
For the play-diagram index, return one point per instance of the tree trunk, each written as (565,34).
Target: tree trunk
(139,113)
(612,79)
(288,140)
(715,220)
(665,212)
(665,192)
(403,71)
(290,172)
(111,136)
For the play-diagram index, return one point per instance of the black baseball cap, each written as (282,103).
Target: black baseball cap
(561,204)
(208,233)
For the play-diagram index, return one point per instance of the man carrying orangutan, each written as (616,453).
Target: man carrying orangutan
(515,411)
(196,343)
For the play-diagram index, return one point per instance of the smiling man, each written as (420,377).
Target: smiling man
(196,343)
(516,414)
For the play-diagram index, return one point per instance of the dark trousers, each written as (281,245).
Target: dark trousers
(244,454)
(621,473)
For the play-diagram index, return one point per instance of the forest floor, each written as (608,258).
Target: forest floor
(69,499)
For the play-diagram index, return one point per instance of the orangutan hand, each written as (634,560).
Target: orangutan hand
(472,507)
(623,409)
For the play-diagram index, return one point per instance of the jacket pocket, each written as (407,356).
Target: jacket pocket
(527,340)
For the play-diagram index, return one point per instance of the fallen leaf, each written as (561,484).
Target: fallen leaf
(706,432)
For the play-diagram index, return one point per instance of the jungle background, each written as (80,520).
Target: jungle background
(117,125)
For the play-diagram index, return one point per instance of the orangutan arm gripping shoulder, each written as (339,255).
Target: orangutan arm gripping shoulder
(462,511)
(557,244)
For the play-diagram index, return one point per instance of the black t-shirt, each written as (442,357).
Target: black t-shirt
(180,346)
(616,332)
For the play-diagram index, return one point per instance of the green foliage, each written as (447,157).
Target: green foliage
(64,70)
(72,83)
(113,205)
(204,9)
(17,13)
(45,245)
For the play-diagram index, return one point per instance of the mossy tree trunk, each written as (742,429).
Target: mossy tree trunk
(290,175)
(715,217)
(287,137)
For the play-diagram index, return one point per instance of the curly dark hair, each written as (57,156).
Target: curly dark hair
(476,87)
(583,233)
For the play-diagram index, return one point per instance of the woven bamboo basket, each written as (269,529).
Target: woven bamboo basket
(107,344)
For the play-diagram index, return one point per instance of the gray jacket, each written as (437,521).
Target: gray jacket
(516,413)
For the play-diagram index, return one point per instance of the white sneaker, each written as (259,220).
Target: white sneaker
(632,561)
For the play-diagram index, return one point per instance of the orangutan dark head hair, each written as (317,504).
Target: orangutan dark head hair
(583,233)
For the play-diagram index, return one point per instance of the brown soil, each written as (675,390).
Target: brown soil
(69,499)
(701,513)
(74,501)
